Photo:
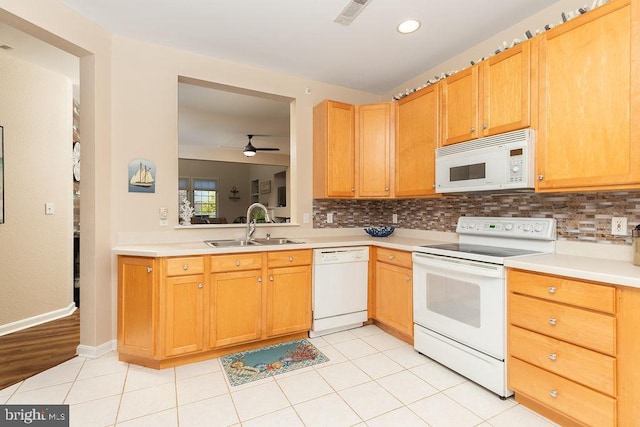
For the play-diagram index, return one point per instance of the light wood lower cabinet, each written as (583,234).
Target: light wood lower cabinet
(182,309)
(573,347)
(393,292)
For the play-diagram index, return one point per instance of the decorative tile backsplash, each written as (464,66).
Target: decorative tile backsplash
(581,216)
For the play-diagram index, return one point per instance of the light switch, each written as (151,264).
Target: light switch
(49,208)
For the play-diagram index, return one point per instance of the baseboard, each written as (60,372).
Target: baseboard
(37,320)
(93,352)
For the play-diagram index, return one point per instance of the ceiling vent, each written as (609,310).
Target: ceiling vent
(5,47)
(350,11)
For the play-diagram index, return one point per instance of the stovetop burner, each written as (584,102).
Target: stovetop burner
(481,250)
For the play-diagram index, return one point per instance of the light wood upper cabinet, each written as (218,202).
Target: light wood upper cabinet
(590,101)
(334,154)
(492,97)
(416,141)
(375,132)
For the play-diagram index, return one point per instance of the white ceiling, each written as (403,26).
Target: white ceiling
(297,37)
(300,37)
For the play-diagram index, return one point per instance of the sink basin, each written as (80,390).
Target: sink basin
(229,242)
(252,242)
(276,241)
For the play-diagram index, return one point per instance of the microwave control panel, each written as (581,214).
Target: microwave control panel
(517,166)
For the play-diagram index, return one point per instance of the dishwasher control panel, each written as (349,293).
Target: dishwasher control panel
(340,255)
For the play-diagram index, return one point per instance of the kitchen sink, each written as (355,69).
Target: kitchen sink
(229,243)
(252,242)
(276,241)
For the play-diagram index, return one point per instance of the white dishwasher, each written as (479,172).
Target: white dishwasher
(340,282)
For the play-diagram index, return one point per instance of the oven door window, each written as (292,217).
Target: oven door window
(455,299)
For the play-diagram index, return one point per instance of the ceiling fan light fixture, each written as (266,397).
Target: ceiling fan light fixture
(249,150)
(409,26)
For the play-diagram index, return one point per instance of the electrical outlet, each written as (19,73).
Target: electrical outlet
(305,218)
(394,218)
(329,217)
(619,226)
(49,208)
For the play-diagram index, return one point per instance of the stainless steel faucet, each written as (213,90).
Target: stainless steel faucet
(251,224)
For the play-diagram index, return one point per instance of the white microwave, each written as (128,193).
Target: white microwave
(498,162)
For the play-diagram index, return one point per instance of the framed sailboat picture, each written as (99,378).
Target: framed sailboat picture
(142,176)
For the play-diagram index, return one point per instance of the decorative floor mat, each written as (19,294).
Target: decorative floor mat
(251,365)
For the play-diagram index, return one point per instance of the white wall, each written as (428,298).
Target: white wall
(36,254)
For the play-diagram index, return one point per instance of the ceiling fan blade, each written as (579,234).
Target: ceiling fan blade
(267,149)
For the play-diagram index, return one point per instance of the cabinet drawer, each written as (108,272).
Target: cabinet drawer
(236,262)
(577,326)
(184,266)
(289,258)
(565,290)
(390,256)
(583,366)
(562,395)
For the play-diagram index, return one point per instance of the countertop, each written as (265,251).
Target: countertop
(595,262)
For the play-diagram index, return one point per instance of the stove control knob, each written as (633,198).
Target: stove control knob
(527,227)
(463,225)
(472,225)
(508,226)
(538,228)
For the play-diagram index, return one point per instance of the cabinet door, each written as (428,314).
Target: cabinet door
(416,142)
(374,149)
(183,313)
(507,90)
(333,150)
(235,307)
(288,300)
(394,297)
(589,102)
(137,302)
(460,106)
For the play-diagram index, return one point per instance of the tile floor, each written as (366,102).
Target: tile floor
(372,379)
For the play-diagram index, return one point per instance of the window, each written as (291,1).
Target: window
(202,193)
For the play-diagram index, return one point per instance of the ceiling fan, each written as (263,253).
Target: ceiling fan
(250,150)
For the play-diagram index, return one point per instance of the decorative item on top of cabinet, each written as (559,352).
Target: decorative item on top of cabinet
(495,96)
(572,347)
(393,292)
(590,102)
(334,154)
(375,134)
(417,137)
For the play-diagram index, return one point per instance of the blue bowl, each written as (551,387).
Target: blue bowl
(382,231)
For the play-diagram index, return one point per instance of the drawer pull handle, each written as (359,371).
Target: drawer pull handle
(552,289)
(185,267)
(149,269)
(237,263)
(290,259)
(200,285)
(553,356)
(553,321)
(271,278)
(391,256)
(553,393)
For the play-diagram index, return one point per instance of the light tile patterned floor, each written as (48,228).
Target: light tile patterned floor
(372,379)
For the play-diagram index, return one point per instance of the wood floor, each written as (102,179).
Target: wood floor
(33,350)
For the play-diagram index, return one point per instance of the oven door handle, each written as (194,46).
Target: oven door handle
(458,265)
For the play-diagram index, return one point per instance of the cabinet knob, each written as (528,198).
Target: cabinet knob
(392,256)
(553,321)
(553,356)
(386,188)
(271,278)
(473,129)
(408,278)
(200,285)
(290,259)
(553,393)
(485,126)
(540,177)
(353,190)
(237,263)
(149,269)
(185,267)
(552,289)
(259,279)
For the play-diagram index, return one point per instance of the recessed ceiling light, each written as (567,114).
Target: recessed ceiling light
(408,26)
